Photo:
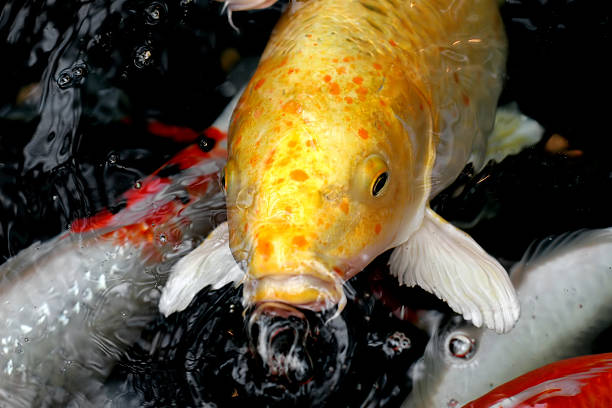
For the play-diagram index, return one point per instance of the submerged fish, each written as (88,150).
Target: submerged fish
(577,382)
(565,291)
(71,306)
(358,114)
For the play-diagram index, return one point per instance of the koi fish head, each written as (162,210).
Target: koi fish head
(316,187)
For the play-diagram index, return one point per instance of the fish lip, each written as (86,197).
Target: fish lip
(266,290)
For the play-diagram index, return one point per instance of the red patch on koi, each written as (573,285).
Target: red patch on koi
(327,78)
(260,83)
(363,133)
(358,80)
(177,133)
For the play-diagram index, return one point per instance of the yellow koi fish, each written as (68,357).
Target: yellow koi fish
(359,113)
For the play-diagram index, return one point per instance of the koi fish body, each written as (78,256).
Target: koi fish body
(359,113)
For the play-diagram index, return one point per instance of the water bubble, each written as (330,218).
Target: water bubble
(72,76)
(143,56)
(205,143)
(396,344)
(64,80)
(155,13)
(461,346)
(79,72)
(138,185)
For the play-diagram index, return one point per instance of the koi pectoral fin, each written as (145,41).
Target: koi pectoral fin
(448,263)
(210,264)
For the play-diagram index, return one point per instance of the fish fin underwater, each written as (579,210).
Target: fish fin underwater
(512,132)
(448,263)
(210,264)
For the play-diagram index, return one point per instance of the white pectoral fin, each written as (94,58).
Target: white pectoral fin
(512,132)
(450,264)
(210,264)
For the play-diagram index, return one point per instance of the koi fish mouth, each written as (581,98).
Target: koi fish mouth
(305,291)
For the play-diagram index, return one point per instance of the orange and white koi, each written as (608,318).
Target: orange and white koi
(71,305)
(580,382)
(359,113)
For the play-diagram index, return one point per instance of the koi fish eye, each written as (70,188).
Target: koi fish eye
(379,184)
(461,346)
(372,177)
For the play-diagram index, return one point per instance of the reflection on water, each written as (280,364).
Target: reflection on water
(86,87)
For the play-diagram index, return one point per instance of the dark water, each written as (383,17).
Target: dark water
(82,81)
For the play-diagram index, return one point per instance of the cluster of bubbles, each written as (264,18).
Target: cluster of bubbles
(72,76)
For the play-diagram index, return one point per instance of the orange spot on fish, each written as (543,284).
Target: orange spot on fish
(363,133)
(376,65)
(338,271)
(260,83)
(310,143)
(270,159)
(327,78)
(377,229)
(347,59)
(315,44)
(334,88)
(265,247)
(288,209)
(257,113)
(292,107)
(466,99)
(335,60)
(246,227)
(292,143)
(299,241)
(309,35)
(348,99)
(291,71)
(299,175)
(361,91)
(383,103)
(344,206)
(358,80)
(340,70)
(280,180)
(289,123)
(393,43)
